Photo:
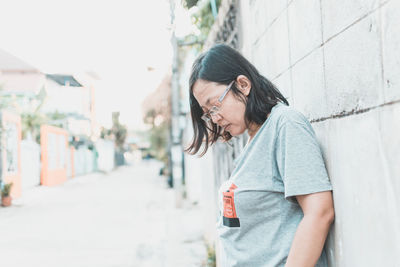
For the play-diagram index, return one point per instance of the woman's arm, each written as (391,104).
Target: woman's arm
(313,229)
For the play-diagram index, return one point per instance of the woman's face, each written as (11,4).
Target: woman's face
(231,110)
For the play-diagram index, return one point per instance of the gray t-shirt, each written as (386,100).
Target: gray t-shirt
(259,213)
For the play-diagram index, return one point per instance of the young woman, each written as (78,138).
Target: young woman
(276,208)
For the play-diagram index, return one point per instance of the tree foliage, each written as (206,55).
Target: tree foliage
(117,132)
(203,19)
(158,135)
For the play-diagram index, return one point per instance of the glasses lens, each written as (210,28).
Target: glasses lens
(205,117)
(213,111)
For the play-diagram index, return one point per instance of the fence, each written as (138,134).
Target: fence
(30,163)
(11,151)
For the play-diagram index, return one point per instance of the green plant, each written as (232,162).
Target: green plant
(203,19)
(118,131)
(5,192)
(158,134)
(211,258)
(31,122)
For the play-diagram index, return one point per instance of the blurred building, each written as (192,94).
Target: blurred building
(18,78)
(72,97)
(158,103)
(73,100)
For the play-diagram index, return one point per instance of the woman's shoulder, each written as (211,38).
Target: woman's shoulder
(283,114)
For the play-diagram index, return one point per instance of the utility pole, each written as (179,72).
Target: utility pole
(176,147)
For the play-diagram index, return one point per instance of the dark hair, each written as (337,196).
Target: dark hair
(223,64)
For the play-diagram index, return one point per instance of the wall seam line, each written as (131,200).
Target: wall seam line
(354,112)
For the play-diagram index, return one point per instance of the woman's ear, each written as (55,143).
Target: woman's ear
(243,84)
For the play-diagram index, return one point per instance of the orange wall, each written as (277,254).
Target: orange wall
(53,176)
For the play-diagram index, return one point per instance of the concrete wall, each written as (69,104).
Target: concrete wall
(200,186)
(30,163)
(105,160)
(83,161)
(338,63)
(200,183)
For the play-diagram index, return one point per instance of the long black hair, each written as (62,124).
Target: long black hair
(223,64)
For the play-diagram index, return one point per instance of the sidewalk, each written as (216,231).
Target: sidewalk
(126,218)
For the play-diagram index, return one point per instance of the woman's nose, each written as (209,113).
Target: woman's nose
(215,118)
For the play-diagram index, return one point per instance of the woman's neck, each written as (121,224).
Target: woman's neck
(252,131)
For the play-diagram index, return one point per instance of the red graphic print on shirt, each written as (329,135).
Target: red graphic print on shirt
(230,219)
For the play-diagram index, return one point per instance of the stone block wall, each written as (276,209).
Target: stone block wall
(338,63)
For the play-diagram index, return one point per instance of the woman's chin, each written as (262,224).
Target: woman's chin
(232,131)
(236,131)
(229,130)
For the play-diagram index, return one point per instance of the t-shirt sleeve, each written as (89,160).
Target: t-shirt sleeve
(299,159)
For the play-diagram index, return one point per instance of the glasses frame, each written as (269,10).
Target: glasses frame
(207,116)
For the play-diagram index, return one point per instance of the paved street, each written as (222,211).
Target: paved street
(122,219)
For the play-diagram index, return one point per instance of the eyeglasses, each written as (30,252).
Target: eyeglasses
(214,109)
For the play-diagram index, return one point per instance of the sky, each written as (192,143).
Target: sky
(117,39)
